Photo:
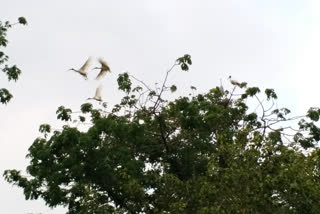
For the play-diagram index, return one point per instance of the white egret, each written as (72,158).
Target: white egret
(97,96)
(221,87)
(103,69)
(234,82)
(83,70)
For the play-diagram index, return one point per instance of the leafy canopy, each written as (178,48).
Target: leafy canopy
(202,153)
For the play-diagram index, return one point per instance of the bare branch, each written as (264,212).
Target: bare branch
(163,87)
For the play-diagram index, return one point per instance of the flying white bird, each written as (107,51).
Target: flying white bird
(234,82)
(97,96)
(83,70)
(103,69)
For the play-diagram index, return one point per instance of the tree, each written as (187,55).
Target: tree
(12,72)
(202,153)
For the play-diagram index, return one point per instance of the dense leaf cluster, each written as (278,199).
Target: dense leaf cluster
(206,153)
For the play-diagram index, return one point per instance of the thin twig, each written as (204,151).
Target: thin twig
(140,82)
(163,86)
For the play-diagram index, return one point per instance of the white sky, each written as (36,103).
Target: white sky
(272,43)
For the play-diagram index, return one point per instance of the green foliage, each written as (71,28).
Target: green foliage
(205,153)
(313,114)
(252,91)
(22,21)
(184,62)
(270,93)
(5,96)
(45,129)
(173,88)
(12,72)
(152,93)
(82,118)
(63,113)
(243,85)
(124,82)
(86,108)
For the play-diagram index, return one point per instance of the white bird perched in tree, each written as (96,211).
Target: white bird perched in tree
(103,69)
(83,70)
(221,87)
(234,82)
(97,96)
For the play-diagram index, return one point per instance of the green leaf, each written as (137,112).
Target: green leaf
(313,114)
(184,67)
(86,108)
(252,91)
(243,85)
(270,94)
(152,93)
(193,88)
(173,88)
(184,62)
(45,128)
(22,21)
(63,113)
(82,119)
(13,72)
(5,96)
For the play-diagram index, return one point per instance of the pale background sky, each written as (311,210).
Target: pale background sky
(274,43)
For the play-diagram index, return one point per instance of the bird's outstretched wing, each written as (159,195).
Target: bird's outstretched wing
(104,68)
(104,64)
(101,74)
(85,66)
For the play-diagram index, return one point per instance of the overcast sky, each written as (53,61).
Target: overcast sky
(272,44)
